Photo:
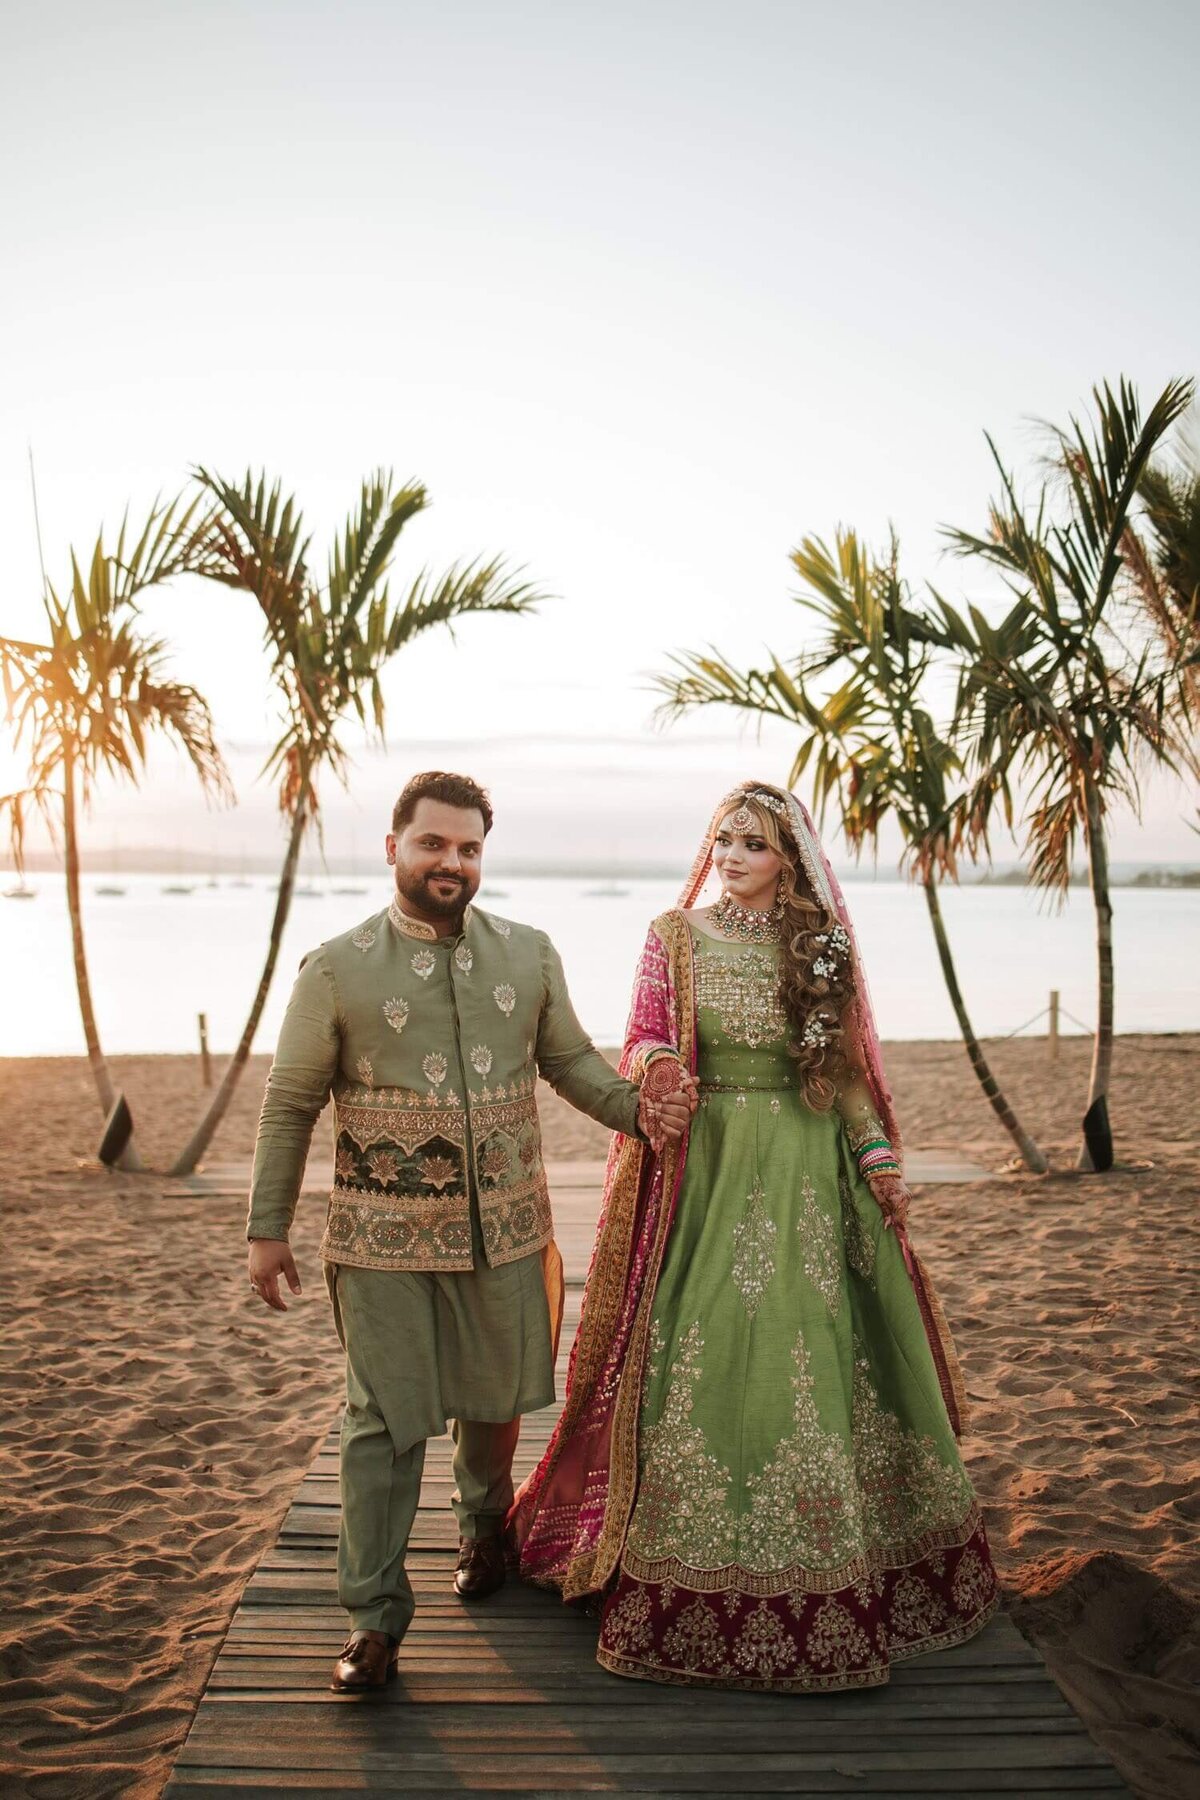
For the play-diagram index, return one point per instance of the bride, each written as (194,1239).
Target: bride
(755,1475)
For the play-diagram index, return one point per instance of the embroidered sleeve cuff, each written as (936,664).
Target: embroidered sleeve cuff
(275,1229)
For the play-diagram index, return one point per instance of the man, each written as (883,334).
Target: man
(429,1025)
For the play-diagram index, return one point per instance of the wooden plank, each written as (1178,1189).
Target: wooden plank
(218,1784)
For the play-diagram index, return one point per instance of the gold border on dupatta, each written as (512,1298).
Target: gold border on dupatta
(623,1453)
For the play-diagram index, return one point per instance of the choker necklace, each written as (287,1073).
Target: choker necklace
(746,923)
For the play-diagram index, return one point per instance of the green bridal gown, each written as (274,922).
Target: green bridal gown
(802,1514)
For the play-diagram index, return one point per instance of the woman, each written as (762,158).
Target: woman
(755,1470)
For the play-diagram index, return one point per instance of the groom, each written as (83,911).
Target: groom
(429,1024)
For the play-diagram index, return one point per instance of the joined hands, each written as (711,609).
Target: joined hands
(669,1096)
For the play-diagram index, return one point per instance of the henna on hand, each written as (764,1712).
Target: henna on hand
(666,1102)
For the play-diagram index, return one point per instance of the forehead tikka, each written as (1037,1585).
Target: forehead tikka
(743,821)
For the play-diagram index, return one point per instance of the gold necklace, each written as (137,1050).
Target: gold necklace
(747,923)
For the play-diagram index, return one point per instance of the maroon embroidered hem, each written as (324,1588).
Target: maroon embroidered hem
(798,1641)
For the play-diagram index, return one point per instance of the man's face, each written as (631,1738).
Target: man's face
(438,858)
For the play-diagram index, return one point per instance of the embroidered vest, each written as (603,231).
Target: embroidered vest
(435,1091)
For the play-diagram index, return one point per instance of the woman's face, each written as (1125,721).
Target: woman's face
(748,867)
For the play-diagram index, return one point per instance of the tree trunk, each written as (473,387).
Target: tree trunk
(1102,1048)
(1031,1156)
(129,1158)
(190,1155)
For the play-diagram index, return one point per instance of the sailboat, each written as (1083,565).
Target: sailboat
(22,891)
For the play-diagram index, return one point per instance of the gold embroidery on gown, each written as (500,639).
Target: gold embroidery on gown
(822,1253)
(754,1250)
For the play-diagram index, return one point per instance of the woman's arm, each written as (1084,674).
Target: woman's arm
(872,1149)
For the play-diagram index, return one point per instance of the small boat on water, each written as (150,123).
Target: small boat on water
(113,892)
(490,893)
(177,887)
(306,893)
(348,890)
(22,891)
(606,891)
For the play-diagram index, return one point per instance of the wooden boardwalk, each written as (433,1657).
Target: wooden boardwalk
(507,1696)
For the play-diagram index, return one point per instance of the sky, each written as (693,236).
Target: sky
(643,293)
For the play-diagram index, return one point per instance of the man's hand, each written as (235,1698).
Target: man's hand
(269,1259)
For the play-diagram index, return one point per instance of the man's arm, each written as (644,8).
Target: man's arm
(571,1063)
(297,1089)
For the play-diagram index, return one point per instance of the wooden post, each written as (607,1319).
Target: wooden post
(1053,1025)
(205,1063)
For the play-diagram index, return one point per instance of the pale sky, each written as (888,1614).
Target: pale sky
(644,293)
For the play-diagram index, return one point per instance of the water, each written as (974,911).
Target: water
(158,959)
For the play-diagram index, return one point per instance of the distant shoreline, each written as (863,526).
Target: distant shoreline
(1157,876)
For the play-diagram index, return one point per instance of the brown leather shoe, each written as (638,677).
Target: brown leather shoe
(368,1660)
(480,1569)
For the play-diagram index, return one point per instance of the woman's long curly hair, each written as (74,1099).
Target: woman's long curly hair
(815,1003)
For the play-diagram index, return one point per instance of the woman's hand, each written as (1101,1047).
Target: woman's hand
(892,1197)
(668,1100)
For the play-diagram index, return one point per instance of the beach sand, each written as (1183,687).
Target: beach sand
(157,1419)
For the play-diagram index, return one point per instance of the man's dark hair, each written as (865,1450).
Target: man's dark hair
(451,790)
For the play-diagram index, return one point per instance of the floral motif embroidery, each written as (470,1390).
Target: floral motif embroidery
(627,1626)
(396,1013)
(505,997)
(754,1250)
(682,1500)
(365,1071)
(915,1612)
(743,990)
(364,937)
(438,1171)
(804,1506)
(481,1060)
(502,926)
(436,1068)
(906,1489)
(424,962)
(860,1245)
(776,1104)
(835,1640)
(345,1165)
(463,958)
(822,1262)
(695,1641)
(495,1162)
(764,1647)
(972,1584)
(384,1166)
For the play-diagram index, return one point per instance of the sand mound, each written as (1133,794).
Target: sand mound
(1125,1649)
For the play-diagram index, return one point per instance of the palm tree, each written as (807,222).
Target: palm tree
(873,744)
(1055,694)
(86,702)
(1162,552)
(329,644)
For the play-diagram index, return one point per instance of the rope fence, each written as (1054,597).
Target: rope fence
(1054,1012)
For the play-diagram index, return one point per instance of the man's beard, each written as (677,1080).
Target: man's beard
(419,891)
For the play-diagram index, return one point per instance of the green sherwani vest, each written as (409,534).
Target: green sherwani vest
(431,1049)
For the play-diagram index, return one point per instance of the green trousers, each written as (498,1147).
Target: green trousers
(421,1349)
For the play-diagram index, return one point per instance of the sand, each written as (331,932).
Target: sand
(156,1420)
